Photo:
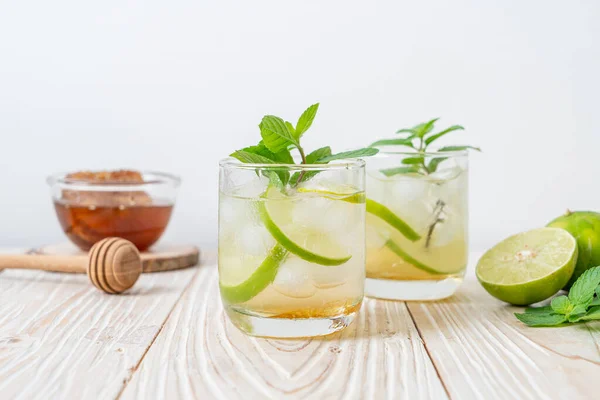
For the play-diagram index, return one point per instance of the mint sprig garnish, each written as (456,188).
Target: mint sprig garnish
(280,138)
(582,304)
(418,138)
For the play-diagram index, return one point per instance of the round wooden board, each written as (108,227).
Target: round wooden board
(162,257)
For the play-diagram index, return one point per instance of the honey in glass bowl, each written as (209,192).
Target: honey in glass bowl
(91,206)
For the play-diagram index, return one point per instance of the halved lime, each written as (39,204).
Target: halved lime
(528,267)
(258,281)
(309,244)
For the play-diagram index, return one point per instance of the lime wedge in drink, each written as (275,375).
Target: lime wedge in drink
(528,267)
(258,281)
(373,207)
(381,211)
(309,244)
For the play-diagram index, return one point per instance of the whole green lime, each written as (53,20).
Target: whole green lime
(585,228)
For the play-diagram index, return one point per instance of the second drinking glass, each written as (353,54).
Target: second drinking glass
(416,224)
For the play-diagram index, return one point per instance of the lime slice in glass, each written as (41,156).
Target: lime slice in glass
(373,207)
(528,267)
(258,281)
(307,243)
(381,211)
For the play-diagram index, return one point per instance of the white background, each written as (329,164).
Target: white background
(177,85)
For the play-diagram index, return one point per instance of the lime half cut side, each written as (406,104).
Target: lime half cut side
(528,267)
(310,245)
(261,278)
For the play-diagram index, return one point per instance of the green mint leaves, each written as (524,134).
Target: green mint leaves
(582,304)
(367,152)
(418,138)
(280,137)
(306,119)
(276,134)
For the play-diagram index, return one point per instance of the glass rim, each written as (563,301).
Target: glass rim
(345,163)
(156,178)
(434,153)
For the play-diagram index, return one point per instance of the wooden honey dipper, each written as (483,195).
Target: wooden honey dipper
(113,264)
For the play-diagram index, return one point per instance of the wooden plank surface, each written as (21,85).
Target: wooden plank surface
(482,351)
(200,354)
(62,338)
(169,338)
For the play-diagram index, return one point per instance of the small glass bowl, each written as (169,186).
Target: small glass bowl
(89,211)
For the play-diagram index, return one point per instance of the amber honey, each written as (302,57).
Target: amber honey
(86,224)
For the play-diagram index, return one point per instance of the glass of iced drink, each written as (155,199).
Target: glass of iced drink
(417,220)
(292,258)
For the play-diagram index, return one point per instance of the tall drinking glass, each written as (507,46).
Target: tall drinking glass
(291,260)
(416,224)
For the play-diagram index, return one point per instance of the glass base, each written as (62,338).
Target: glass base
(417,290)
(289,328)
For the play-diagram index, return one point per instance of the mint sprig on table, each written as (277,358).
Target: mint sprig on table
(582,304)
(419,138)
(280,138)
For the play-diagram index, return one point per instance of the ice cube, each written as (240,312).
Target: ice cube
(327,277)
(377,233)
(446,174)
(294,280)
(253,240)
(324,214)
(252,189)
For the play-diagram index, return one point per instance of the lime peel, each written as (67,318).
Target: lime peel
(262,277)
(390,244)
(381,211)
(292,247)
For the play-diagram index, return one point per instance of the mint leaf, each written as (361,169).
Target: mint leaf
(579,309)
(434,163)
(290,128)
(592,314)
(541,318)
(561,305)
(282,157)
(247,157)
(275,178)
(316,155)
(442,133)
(400,170)
(393,142)
(312,158)
(412,131)
(582,291)
(366,152)
(413,160)
(275,134)
(306,119)
(538,310)
(423,129)
(458,148)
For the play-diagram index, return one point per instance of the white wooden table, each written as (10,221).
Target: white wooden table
(168,338)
